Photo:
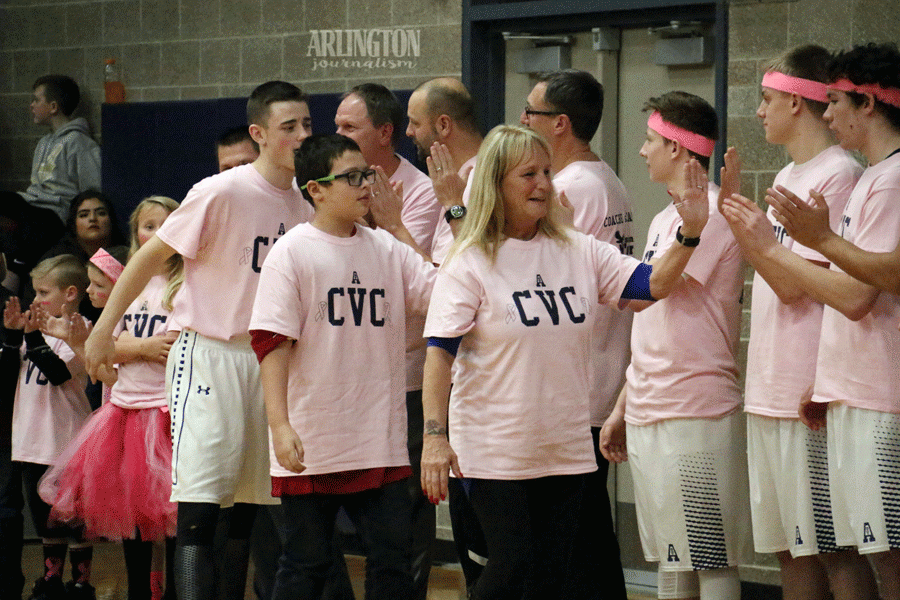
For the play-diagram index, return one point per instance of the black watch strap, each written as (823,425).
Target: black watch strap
(687,242)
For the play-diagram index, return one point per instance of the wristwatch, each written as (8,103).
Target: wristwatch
(686,242)
(455,212)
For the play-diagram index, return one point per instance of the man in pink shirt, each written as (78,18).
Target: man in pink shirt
(442,125)
(565,107)
(857,372)
(685,431)
(223,229)
(442,112)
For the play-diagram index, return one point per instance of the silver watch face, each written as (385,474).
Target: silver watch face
(457,212)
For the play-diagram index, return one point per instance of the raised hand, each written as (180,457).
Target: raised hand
(33,317)
(448,184)
(807,224)
(12,314)
(694,206)
(730,176)
(57,327)
(387,201)
(749,223)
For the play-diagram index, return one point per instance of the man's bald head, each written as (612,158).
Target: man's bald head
(448,96)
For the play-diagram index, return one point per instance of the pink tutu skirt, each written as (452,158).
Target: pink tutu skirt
(115,477)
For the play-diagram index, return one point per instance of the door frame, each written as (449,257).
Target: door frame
(483,47)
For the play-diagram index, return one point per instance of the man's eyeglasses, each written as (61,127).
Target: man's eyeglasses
(354,178)
(547,113)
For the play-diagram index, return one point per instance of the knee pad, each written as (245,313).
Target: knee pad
(197,523)
(677,584)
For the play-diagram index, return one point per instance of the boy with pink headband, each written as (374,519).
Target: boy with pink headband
(788,463)
(858,367)
(681,402)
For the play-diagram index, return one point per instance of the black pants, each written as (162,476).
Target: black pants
(609,565)
(539,536)
(306,526)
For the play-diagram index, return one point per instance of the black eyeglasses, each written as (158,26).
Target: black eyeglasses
(547,113)
(354,178)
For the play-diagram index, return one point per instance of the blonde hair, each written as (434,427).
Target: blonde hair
(65,270)
(175,264)
(504,148)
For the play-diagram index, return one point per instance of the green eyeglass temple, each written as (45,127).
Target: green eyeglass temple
(354,178)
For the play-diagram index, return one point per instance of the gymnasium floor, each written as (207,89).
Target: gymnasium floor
(109,575)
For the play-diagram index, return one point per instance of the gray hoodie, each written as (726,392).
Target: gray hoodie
(66,163)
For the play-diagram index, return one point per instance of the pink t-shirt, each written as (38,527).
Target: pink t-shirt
(421,209)
(443,236)
(344,300)
(519,406)
(142,384)
(47,417)
(684,347)
(859,361)
(788,334)
(602,209)
(224,229)
(420,214)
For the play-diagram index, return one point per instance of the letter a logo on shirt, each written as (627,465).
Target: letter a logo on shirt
(673,556)
(281,229)
(540,282)
(798,540)
(355,278)
(868,536)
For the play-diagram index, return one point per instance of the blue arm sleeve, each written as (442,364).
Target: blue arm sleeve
(451,345)
(638,286)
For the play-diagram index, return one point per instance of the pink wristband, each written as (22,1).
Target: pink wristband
(807,88)
(694,142)
(887,95)
(110,267)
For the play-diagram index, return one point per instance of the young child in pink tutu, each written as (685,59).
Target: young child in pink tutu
(115,477)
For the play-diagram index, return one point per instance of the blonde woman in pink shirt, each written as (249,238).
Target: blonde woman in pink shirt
(513,306)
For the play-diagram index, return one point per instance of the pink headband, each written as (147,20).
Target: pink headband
(694,142)
(110,267)
(807,88)
(887,95)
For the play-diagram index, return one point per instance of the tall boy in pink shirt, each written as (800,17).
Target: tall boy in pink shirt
(858,367)
(787,461)
(328,326)
(224,229)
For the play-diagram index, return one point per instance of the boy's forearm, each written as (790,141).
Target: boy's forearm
(880,269)
(273,372)
(52,366)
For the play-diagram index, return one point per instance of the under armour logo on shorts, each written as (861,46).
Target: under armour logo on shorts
(201,390)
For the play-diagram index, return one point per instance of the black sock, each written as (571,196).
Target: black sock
(54,560)
(138,555)
(81,563)
(170,570)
